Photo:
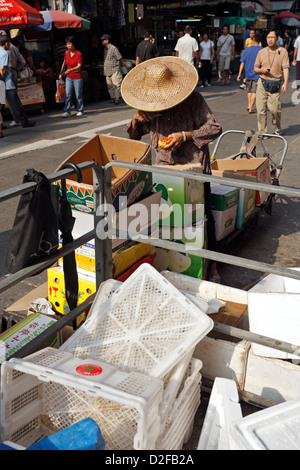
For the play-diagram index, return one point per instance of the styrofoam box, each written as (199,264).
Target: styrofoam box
(146,325)
(177,426)
(50,390)
(223,409)
(274,428)
(272,379)
(223,358)
(220,358)
(273,308)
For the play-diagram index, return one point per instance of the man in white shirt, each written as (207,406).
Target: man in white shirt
(187,47)
(296,61)
(225,53)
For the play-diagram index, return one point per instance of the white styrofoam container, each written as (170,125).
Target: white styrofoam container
(223,358)
(177,426)
(223,409)
(274,428)
(146,325)
(274,311)
(220,358)
(272,379)
(50,390)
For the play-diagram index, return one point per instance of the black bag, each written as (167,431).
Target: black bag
(35,231)
(40,214)
(272,86)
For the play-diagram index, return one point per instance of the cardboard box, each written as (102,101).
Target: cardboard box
(224,203)
(256,167)
(56,289)
(180,262)
(104,149)
(182,201)
(23,332)
(142,216)
(247,198)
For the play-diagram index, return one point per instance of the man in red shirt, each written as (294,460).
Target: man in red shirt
(71,67)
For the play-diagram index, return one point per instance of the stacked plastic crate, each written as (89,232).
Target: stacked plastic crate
(141,334)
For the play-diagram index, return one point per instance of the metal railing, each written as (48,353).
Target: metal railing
(103,252)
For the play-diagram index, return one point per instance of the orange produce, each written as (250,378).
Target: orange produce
(163,142)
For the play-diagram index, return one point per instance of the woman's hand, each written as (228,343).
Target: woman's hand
(177,140)
(141,116)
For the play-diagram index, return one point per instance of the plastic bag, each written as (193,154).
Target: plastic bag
(60,95)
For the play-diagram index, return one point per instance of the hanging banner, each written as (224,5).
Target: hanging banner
(131,12)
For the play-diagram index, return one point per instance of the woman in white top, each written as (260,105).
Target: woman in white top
(206,53)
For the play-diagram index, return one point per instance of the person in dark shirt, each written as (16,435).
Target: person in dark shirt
(163,93)
(146,49)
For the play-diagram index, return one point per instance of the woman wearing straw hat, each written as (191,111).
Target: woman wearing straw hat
(163,92)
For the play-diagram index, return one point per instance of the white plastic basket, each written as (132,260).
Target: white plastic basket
(106,289)
(176,427)
(50,390)
(146,325)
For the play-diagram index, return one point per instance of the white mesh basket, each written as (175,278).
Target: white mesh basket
(146,325)
(176,427)
(51,390)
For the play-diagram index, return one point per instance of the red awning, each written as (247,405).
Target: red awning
(17,14)
(287,14)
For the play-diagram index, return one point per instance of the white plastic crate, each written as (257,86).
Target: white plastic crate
(106,289)
(274,428)
(176,427)
(223,409)
(50,390)
(146,325)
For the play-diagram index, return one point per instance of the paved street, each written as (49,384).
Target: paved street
(275,239)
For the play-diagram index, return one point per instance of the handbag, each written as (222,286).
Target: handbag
(272,86)
(41,212)
(34,235)
(60,94)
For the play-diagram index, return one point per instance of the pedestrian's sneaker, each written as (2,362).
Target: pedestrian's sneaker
(14,123)
(66,115)
(208,84)
(201,86)
(278,132)
(243,86)
(79,113)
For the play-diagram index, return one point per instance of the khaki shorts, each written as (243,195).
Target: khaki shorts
(251,86)
(224,62)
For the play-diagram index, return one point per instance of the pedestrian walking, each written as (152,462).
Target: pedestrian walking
(206,58)
(187,47)
(296,61)
(247,62)
(272,63)
(225,53)
(16,63)
(113,64)
(71,67)
(12,97)
(163,92)
(146,49)
(246,33)
(288,44)
(2,100)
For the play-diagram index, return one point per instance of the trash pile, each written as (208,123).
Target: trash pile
(129,367)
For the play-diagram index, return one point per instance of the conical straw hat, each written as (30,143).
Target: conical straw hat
(158,84)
